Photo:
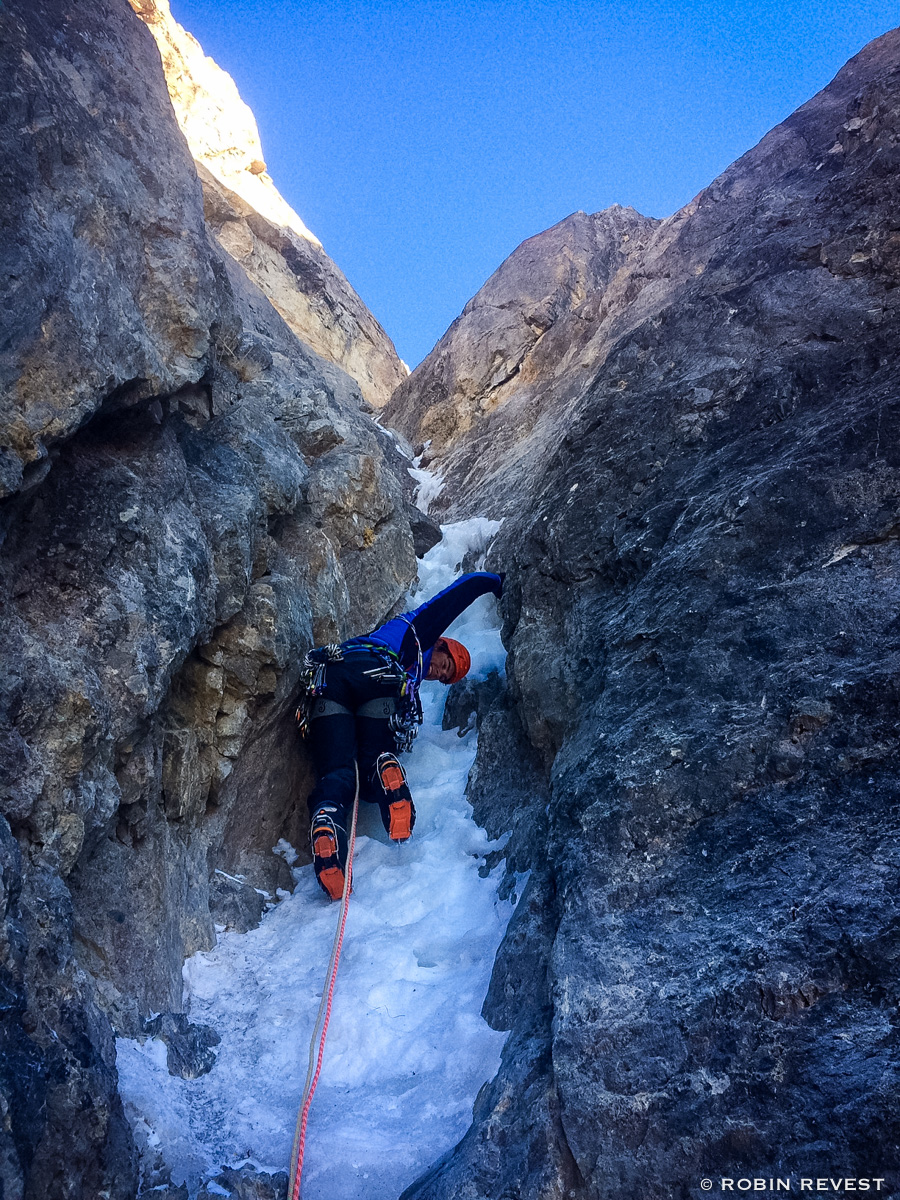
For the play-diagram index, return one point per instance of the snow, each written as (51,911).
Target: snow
(407,1048)
(430,485)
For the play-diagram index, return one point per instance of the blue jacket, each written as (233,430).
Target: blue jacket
(420,629)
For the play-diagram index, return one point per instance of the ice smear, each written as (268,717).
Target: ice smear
(430,484)
(407,1047)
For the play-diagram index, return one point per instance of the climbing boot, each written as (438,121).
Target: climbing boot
(329,848)
(401,812)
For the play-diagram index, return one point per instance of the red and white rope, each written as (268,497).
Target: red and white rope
(317,1041)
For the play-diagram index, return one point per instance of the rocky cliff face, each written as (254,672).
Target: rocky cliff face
(698,752)
(526,323)
(306,289)
(252,221)
(192,496)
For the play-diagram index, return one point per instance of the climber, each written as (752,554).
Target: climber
(362,705)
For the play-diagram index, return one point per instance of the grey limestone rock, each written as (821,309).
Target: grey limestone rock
(246,1183)
(701,612)
(190,1048)
(235,904)
(307,289)
(165,1191)
(468,701)
(192,498)
(254,225)
(502,339)
(125,312)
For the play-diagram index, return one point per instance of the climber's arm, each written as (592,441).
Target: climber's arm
(435,615)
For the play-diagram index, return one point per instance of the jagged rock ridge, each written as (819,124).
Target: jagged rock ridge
(191,497)
(697,754)
(254,223)
(491,344)
(511,334)
(220,129)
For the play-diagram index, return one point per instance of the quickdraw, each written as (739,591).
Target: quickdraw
(406,721)
(312,680)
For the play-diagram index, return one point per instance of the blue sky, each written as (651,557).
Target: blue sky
(423,140)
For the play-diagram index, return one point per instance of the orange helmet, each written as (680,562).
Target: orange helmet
(460,656)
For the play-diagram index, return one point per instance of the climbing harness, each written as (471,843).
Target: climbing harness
(404,713)
(317,1041)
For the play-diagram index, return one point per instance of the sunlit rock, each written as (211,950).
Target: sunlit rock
(220,129)
(253,222)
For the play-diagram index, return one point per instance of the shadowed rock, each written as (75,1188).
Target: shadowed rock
(192,498)
(246,1184)
(190,1049)
(702,499)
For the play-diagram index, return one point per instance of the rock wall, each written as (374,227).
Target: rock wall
(253,222)
(522,326)
(306,288)
(697,753)
(191,497)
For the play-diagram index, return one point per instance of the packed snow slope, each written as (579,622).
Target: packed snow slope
(407,1047)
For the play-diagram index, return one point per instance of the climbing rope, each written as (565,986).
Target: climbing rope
(317,1041)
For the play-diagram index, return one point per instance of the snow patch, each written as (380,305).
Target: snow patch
(430,484)
(285,850)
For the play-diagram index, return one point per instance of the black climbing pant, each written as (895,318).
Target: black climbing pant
(339,740)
